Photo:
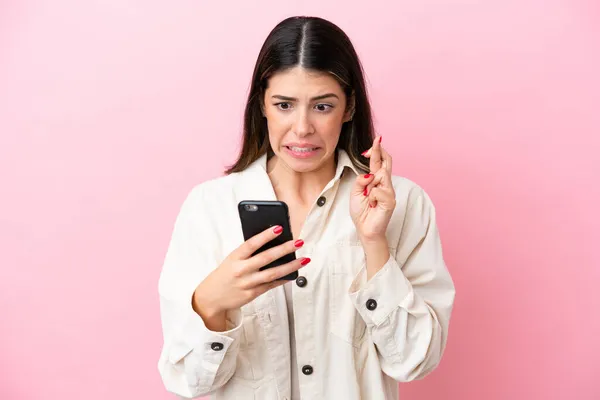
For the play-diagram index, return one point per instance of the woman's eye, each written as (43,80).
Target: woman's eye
(323,107)
(283,106)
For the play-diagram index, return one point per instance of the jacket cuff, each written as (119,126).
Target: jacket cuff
(195,336)
(378,297)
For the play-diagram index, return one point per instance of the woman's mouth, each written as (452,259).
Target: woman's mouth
(301,152)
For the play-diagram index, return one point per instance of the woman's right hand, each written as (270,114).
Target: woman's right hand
(239,280)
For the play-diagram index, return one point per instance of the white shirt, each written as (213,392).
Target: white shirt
(354,339)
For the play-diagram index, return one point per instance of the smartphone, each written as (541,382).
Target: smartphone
(258,216)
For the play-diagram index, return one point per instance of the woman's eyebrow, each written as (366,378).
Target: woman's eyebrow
(320,97)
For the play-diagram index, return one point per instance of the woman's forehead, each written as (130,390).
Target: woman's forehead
(303,81)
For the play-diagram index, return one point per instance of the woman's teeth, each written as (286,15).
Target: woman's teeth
(302,149)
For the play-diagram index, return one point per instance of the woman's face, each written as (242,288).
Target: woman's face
(305,111)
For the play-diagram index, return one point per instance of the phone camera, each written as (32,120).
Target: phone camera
(251,207)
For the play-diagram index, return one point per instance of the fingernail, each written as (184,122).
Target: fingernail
(277,230)
(305,261)
(365,192)
(380,137)
(299,243)
(364,152)
(367,176)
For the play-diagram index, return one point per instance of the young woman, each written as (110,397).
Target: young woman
(372,304)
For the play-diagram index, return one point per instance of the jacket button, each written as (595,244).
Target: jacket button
(371,304)
(321,202)
(301,281)
(216,346)
(307,370)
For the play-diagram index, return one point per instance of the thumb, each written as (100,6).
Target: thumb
(361,183)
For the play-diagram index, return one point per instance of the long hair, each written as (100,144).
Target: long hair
(319,45)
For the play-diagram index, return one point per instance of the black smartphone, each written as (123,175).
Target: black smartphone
(257,216)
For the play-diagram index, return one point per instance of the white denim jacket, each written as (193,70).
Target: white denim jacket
(355,339)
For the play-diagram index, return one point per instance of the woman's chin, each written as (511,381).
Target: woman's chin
(309,164)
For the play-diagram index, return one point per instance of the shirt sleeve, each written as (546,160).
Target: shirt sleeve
(407,304)
(194,360)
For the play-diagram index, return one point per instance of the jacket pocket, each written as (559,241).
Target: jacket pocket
(345,260)
(249,358)
(241,389)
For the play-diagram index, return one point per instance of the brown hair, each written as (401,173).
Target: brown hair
(315,44)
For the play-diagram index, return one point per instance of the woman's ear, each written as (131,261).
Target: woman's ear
(350,108)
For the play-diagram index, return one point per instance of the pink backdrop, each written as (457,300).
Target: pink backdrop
(110,111)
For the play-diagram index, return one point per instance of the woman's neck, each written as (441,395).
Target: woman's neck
(303,187)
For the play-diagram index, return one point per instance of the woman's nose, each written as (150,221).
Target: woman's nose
(303,126)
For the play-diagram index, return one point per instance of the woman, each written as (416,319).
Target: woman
(372,304)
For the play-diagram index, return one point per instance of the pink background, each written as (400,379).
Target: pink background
(110,111)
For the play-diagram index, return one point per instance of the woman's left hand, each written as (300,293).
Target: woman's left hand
(373,198)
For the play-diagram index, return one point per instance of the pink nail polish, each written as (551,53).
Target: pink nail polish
(277,230)
(299,243)
(380,137)
(364,152)
(305,261)
(365,192)
(367,176)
